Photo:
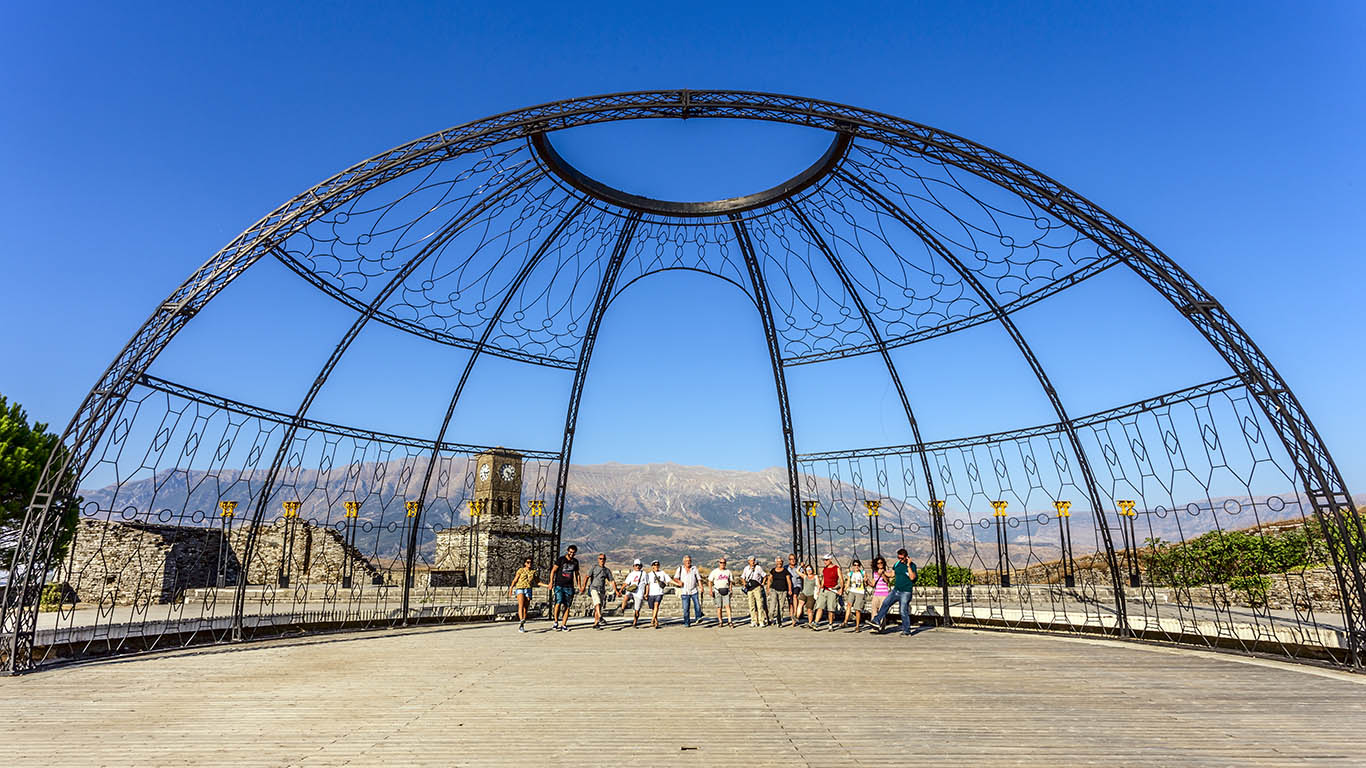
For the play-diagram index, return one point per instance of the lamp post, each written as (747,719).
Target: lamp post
(351,518)
(291,516)
(812,510)
(1002,553)
(1069,566)
(226,510)
(941,555)
(1126,511)
(874,535)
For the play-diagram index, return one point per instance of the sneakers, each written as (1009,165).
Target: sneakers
(522,627)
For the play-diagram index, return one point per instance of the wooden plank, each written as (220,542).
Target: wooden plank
(486,695)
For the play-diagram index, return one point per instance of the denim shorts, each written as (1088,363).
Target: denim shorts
(564,595)
(523,592)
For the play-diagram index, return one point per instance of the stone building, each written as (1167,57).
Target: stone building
(491,549)
(135,563)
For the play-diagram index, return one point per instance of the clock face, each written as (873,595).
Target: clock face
(508,473)
(484,470)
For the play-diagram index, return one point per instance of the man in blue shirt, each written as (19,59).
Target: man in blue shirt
(903,581)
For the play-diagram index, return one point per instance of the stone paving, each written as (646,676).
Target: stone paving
(487,695)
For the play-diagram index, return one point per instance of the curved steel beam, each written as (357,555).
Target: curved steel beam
(756,278)
(410,560)
(287,439)
(590,338)
(941,554)
(728,206)
(911,222)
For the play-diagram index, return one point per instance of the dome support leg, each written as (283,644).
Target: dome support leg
(590,338)
(1092,490)
(780,383)
(941,548)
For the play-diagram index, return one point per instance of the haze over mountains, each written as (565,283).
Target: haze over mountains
(627,510)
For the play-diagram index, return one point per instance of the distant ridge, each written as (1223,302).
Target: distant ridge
(661,510)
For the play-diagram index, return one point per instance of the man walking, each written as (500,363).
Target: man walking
(753,579)
(779,583)
(634,590)
(689,581)
(904,575)
(828,593)
(599,576)
(563,578)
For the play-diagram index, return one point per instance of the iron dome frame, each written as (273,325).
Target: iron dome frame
(1322,482)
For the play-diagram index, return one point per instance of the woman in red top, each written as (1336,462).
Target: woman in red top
(828,598)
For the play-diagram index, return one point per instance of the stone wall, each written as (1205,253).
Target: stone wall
(492,552)
(132,563)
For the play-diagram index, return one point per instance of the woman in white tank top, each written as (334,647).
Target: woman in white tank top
(856,594)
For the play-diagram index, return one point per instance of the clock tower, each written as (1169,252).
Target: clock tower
(498,483)
(490,548)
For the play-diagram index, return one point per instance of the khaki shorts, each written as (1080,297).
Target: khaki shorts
(806,600)
(856,601)
(827,600)
(599,599)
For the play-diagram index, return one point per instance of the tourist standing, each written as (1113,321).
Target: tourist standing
(753,579)
(719,584)
(828,592)
(655,581)
(807,599)
(796,571)
(779,583)
(855,594)
(563,578)
(689,581)
(522,583)
(634,590)
(599,576)
(881,581)
(903,581)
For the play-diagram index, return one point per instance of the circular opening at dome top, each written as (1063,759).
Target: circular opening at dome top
(691,167)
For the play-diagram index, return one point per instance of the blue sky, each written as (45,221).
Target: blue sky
(138,139)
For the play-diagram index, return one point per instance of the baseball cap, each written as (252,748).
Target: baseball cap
(827,557)
(637,562)
(654,562)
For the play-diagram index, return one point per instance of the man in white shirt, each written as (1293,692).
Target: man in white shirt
(655,581)
(752,578)
(719,584)
(633,590)
(689,581)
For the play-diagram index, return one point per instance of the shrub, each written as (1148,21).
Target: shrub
(1225,556)
(929,576)
(55,595)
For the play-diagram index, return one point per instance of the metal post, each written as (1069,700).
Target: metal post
(941,555)
(226,509)
(291,516)
(1002,543)
(874,535)
(351,517)
(1069,566)
(1127,515)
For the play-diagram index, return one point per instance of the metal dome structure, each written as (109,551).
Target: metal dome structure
(151,526)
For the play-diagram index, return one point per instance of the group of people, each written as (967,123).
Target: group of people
(799,591)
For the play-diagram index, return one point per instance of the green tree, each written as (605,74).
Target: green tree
(24,449)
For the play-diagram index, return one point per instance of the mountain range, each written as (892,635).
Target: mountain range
(626,510)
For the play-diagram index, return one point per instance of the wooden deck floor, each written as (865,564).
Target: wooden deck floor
(486,695)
